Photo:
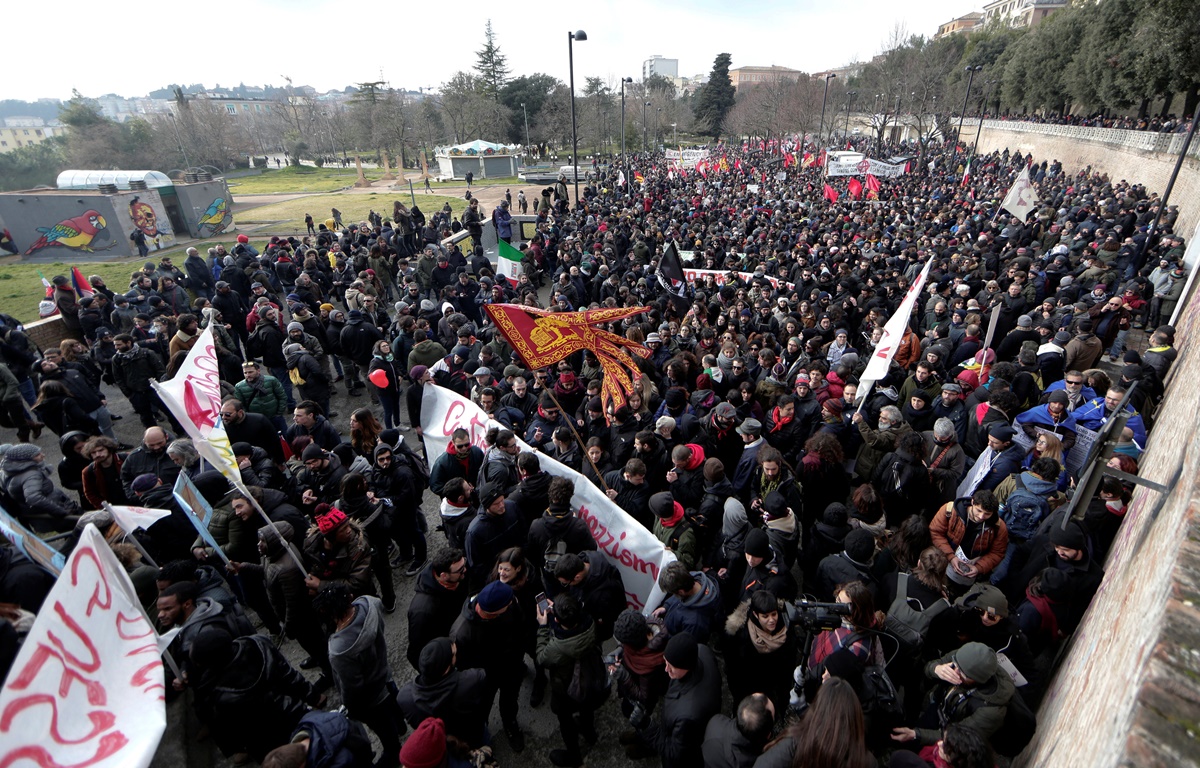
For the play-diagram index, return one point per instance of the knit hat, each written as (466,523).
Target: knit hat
(331,520)
(243,239)
(758,544)
(663,421)
(24,452)
(976,661)
(1055,584)
(921,395)
(802,378)
(1131,372)
(712,469)
(675,397)
(1071,537)
(1058,396)
(489,492)
(1024,321)
(662,504)
(1002,431)
(860,545)
(463,351)
(417,372)
(835,406)
(354,316)
(293,349)
(426,748)
(243,449)
(495,597)
(435,659)
(596,405)
(682,651)
(312,451)
(141,483)
(327,307)
(630,628)
(294,326)
(265,310)
(775,505)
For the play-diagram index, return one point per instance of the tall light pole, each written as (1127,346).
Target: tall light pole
(849,105)
(526,113)
(987,86)
(821,130)
(623,81)
(579,35)
(970,77)
(657,125)
(644,105)
(675,127)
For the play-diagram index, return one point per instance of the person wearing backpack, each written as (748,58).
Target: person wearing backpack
(1024,504)
(970,534)
(969,689)
(673,528)
(902,479)
(568,648)
(853,563)
(916,600)
(556,533)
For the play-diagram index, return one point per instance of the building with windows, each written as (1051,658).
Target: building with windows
(26,131)
(663,67)
(1021,13)
(962,25)
(748,77)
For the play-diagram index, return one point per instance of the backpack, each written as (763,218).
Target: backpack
(1023,510)
(682,527)
(419,468)
(879,696)
(556,547)
(908,623)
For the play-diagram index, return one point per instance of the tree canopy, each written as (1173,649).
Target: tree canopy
(715,98)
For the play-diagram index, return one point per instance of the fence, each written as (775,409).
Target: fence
(1143,141)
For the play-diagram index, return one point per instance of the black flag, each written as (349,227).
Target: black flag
(671,277)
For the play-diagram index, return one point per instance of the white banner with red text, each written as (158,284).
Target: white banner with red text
(87,686)
(863,167)
(633,550)
(720,277)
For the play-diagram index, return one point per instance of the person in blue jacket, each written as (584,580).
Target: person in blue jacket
(1052,417)
(1094,415)
(324,740)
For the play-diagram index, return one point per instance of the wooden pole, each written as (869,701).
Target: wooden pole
(570,423)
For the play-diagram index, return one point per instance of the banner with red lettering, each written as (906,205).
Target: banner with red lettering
(893,333)
(634,551)
(720,277)
(87,686)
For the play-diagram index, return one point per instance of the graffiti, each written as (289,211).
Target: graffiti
(144,217)
(216,218)
(78,234)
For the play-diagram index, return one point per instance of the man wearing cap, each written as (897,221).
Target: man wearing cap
(718,436)
(488,635)
(971,690)
(321,479)
(337,553)
(693,696)
(1085,350)
(750,431)
(496,527)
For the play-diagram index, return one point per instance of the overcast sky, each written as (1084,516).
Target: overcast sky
(328,44)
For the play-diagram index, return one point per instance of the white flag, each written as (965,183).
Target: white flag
(893,333)
(87,686)
(132,518)
(1022,197)
(621,179)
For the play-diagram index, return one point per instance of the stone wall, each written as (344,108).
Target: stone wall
(1118,155)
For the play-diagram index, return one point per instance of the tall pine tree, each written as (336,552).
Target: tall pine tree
(491,65)
(715,98)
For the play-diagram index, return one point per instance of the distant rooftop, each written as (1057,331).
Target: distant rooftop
(78,179)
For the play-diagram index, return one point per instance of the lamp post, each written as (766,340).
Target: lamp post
(182,151)
(970,77)
(849,105)
(821,130)
(579,35)
(644,105)
(526,113)
(623,81)
(987,85)
(657,125)
(675,127)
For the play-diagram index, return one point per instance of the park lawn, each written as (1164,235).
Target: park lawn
(354,207)
(302,179)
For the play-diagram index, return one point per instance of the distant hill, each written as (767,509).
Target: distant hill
(16,108)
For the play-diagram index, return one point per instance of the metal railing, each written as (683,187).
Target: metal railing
(1142,141)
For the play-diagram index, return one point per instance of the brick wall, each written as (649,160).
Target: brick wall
(46,333)
(1153,169)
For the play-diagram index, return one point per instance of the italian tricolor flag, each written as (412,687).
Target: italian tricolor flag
(508,263)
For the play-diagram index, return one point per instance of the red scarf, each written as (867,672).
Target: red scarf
(779,422)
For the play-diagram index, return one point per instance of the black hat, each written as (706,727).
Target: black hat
(313,451)
(860,545)
(662,504)
(1072,537)
(775,505)
(682,651)
(758,544)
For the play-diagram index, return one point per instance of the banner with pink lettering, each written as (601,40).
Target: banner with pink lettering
(633,550)
(194,395)
(720,277)
(87,686)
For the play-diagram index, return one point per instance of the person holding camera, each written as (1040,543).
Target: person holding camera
(692,698)
(969,689)
(568,648)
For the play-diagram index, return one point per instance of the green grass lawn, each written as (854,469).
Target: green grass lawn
(353,207)
(302,179)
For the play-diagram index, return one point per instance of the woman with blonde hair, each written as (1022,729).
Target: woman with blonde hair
(1048,446)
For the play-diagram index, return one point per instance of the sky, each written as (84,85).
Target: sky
(333,43)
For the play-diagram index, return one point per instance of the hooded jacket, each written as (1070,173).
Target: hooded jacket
(687,706)
(461,699)
(559,525)
(335,741)
(695,614)
(688,488)
(358,655)
(30,484)
(949,526)
(432,612)
(426,353)
(448,466)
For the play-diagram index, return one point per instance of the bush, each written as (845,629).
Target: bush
(320,161)
(260,162)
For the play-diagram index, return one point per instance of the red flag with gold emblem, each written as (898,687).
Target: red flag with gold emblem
(543,338)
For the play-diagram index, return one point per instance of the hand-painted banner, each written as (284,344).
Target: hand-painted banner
(633,550)
(720,276)
(862,167)
(30,545)
(199,511)
(87,686)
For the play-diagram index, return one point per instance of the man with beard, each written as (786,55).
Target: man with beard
(252,428)
(149,458)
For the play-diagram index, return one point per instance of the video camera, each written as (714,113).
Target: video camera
(817,617)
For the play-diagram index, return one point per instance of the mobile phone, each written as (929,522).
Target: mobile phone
(542,603)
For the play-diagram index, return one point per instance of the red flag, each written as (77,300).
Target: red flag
(872,183)
(81,284)
(821,160)
(855,186)
(848,146)
(737,164)
(908,166)
(831,194)
(543,338)
(702,169)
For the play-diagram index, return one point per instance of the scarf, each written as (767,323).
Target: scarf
(1045,609)
(643,661)
(779,423)
(763,641)
(675,518)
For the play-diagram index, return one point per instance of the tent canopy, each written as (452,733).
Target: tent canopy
(477,147)
(77,179)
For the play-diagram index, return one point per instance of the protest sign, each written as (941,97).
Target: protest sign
(199,511)
(863,167)
(87,686)
(720,276)
(634,551)
(30,545)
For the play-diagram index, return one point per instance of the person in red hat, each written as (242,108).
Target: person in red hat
(426,748)
(337,553)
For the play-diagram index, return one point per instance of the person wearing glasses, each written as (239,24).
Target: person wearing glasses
(462,459)
(1074,384)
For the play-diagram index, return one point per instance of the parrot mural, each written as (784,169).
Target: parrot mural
(216,218)
(77,234)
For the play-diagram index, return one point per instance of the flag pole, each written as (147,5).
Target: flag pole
(570,423)
(130,537)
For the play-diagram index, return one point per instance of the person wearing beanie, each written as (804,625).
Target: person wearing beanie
(337,552)
(323,740)
(782,526)
(566,644)
(556,533)
(692,698)
(1001,458)
(459,698)
(1085,350)
(489,635)
(496,527)
(1066,549)
(970,690)
(673,528)
(1052,417)
(426,748)
(852,563)
(40,503)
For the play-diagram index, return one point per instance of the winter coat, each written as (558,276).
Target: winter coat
(687,706)
(949,526)
(726,747)
(265,397)
(316,386)
(980,707)
(432,612)
(448,466)
(559,651)
(487,536)
(140,461)
(602,593)
(64,414)
(696,614)
(495,645)
(568,529)
(348,564)
(358,654)
(135,369)
(266,342)
(877,443)
(426,353)
(31,486)
(750,667)
(461,699)
(335,741)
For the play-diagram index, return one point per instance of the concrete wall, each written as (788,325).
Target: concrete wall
(1152,169)
(206,207)
(1128,690)
(104,222)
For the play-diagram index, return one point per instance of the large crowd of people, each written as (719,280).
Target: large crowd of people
(867,572)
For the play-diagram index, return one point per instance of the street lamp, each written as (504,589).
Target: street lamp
(657,125)
(623,81)
(579,35)
(821,130)
(675,127)
(970,77)
(646,104)
(526,113)
(987,86)
(849,105)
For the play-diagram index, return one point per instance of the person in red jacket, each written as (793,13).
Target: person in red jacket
(972,535)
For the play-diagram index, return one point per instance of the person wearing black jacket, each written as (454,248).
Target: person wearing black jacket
(597,585)
(692,698)
(555,534)
(461,699)
(357,341)
(438,596)
(233,308)
(252,428)
(266,342)
(629,490)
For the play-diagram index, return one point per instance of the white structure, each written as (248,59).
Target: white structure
(1021,13)
(657,65)
(482,158)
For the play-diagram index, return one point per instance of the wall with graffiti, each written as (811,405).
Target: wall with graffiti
(206,207)
(51,226)
(145,211)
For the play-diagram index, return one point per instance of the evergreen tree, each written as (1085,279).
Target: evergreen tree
(491,65)
(715,98)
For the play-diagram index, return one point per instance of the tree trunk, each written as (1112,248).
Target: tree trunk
(1189,101)
(1143,108)
(1168,99)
